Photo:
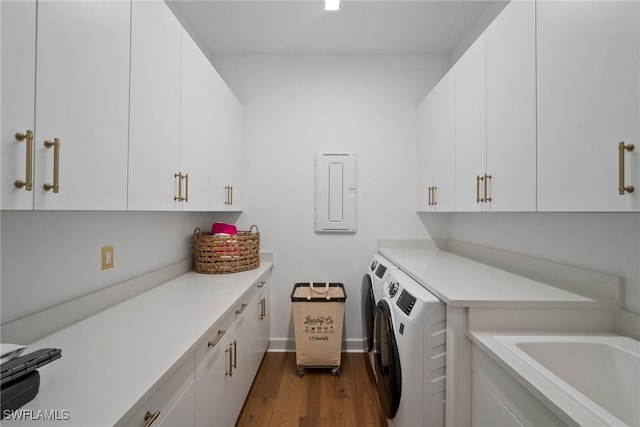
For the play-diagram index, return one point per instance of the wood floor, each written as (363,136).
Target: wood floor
(279,397)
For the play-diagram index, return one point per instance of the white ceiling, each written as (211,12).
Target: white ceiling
(239,27)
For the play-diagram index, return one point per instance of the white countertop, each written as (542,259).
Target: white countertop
(110,360)
(461,282)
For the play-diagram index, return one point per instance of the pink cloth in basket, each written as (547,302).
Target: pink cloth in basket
(222,228)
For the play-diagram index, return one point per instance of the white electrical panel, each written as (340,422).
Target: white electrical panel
(335,193)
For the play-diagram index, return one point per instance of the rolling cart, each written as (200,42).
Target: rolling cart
(318,317)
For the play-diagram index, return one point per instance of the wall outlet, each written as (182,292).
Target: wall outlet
(107,257)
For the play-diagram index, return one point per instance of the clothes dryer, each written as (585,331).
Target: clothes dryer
(409,353)
(372,283)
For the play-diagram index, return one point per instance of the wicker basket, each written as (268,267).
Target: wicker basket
(226,254)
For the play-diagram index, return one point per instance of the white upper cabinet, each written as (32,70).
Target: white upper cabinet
(588,102)
(81,98)
(154,125)
(436,148)
(196,113)
(18,100)
(496,115)
(511,108)
(225,159)
(471,125)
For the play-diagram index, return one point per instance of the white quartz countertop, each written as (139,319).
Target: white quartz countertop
(110,360)
(461,282)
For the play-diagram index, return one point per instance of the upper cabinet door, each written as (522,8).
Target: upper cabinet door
(588,102)
(436,148)
(511,108)
(154,125)
(82,99)
(18,100)
(471,125)
(196,112)
(227,135)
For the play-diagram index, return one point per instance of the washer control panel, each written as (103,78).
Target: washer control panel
(405,302)
(393,289)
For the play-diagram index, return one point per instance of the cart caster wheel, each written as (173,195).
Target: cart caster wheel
(335,372)
(300,371)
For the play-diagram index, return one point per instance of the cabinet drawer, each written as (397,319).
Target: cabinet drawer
(173,390)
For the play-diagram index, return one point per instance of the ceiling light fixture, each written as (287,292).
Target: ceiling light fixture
(332,5)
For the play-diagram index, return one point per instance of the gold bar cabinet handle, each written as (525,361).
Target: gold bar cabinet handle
(478,179)
(218,338)
(186,187)
(230,351)
(179,196)
(56,165)
(261,303)
(429,197)
(433,201)
(231,199)
(487,177)
(622,189)
(149,418)
(235,354)
(28,181)
(241,309)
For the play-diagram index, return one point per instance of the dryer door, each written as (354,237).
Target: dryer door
(368,309)
(387,360)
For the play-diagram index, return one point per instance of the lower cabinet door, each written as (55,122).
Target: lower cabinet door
(170,405)
(181,414)
(214,379)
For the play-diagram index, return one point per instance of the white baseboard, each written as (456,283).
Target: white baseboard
(278,345)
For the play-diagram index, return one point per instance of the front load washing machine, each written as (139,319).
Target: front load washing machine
(372,283)
(409,353)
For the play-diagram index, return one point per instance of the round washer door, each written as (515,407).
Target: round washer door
(368,309)
(387,360)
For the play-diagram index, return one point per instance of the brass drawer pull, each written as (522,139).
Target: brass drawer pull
(218,338)
(241,309)
(230,351)
(235,354)
(150,418)
(622,189)
(56,165)
(28,181)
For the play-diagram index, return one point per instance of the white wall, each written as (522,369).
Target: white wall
(296,106)
(52,257)
(605,242)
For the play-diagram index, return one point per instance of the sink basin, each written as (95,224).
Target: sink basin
(601,373)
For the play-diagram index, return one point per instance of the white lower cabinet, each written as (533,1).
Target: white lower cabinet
(171,404)
(227,360)
(209,387)
(214,373)
(497,399)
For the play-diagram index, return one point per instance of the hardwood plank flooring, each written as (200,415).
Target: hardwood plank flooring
(279,397)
